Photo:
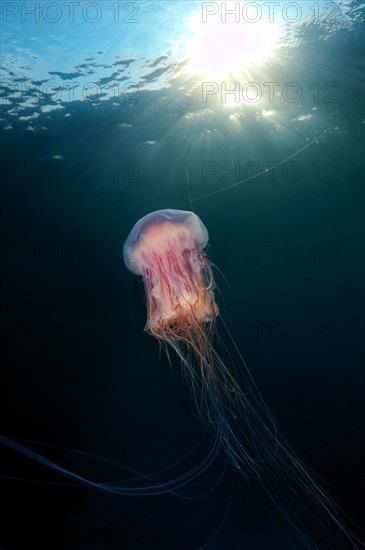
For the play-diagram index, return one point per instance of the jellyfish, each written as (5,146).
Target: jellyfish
(167,249)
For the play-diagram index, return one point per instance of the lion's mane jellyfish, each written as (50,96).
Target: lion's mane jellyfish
(166,248)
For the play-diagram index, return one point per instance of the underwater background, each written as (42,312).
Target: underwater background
(105,117)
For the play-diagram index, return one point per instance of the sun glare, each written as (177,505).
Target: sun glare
(220,48)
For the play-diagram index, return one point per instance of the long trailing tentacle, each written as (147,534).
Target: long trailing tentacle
(243,423)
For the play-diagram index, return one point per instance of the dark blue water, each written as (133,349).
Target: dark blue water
(77,173)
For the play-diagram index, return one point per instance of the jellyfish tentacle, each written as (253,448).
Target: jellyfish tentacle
(182,313)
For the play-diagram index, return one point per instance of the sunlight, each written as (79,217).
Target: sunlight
(220,48)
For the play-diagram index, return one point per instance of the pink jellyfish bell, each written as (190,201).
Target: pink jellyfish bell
(166,248)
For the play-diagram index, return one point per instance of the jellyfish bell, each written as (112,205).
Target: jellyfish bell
(166,248)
